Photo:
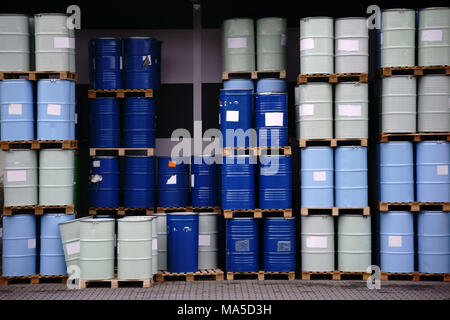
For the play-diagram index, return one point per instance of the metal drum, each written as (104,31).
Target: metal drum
(14,42)
(161,231)
(314,111)
(52,261)
(97,239)
(235,113)
(271,119)
(351,177)
(279,245)
(154,245)
(205,184)
(242,245)
(104,182)
(139,63)
(433,241)
(239,84)
(19,245)
(275,182)
(397,241)
(352,110)
(398,38)
(208,240)
(182,242)
(396,171)
(398,104)
(173,182)
(238,182)
(104,123)
(433,103)
(271,40)
(316,45)
(316,175)
(17,110)
(56,112)
(354,245)
(351,45)
(134,247)
(76,180)
(54,46)
(139,182)
(56,177)
(238,45)
(20,178)
(139,123)
(317,243)
(432,174)
(271,85)
(70,238)
(434,37)
(106,63)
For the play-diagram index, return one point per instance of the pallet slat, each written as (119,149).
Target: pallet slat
(173,209)
(37,210)
(40,144)
(121,211)
(121,152)
(191,276)
(120,93)
(332,77)
(414,71)
(303,143)
(413,136)
(39,75)
(335,211)
(114,283)
(34,279)
(413,206)
(279,74)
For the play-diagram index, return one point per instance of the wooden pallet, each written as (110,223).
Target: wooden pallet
(245,275)
(335,211)
(206,274)
(206,209)
(120,93)
(115,283)
(320,275)
(252,213)
(413,206)
(40,144)
(304,143)
(173,209)
(414,71)
(415,276)
(38,210)
(332,77)
(266,275)
(285,213)
(39,75)
(414,136)
(34,279)
(343,275)
(279,74)
(120,152)
(282,151)
(121,211)
(240,151)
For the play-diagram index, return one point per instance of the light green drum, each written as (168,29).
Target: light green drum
(161,230)
(434,103)
(20,178)
(56,177)
(134,248)
(271,38)
(354,243)
(238,45)
(97,249)
(154,245)
(434,37)
(208,240)
(70,236)
(398,104)
(398,38)
(14,42)
(352,110)
(316,45)
(317,243)
(314,111)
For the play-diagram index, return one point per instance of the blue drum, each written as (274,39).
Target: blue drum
(139,123)
(271,85)
(104,123)
(104,182)
(205,181)
(242,245)
(173,182)
(275,182)
(239,84)
(139,63)
(271,119)
(106,63)
(139,184)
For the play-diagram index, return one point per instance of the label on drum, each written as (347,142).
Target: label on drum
(204,240)
(395,241)
(306,110)
(306,44)
(320,176)
(242,245)
(237,43)
(172,180)
(350,110)
(146,60)
(31,243)
(442,170)
(15,109)
(274,119)
(348,45)
(63,43)
(232,116)
(96,164)
(192,180)
(54,109)
(431,35)
(73,247)
(283,39)
(283,246)
(154,244)
(16,176)
(315,242)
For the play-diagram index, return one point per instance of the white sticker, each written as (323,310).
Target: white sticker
(147,60)
(204,240)
(350,110)
(306,110)
(155,244)
(237,43)
(73,247)
(315,242)
(381,38)
(306,44)
(54,109)
(431,35)
(15,109)
(16,176)
(96,164)
(442,170)
(395,241)
(121,63)
(31,243)
(348,45)
(172,180)
(283,39)
(63,43)
(192,180)
(320,176)
(232,116)
(76,118)
(274,119)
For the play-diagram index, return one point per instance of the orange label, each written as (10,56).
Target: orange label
(172,164)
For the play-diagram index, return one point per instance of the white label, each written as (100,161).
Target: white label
(306,110)
(232,116)
(63,43)
(73,247)
(54,109)
(274,119)
(320,176)
(395,241)
(15,109)
(314,242)
(155,244)
(31,243)
(442,170)
(172,180)
(381,38)
(350,110)
(147,60)
(431,35)
(306,44)
(283,246)
(283,39)
(348,45)
(237,43)
(192,180)
(96,164)
(121,63)
(204,240)
(16,175)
